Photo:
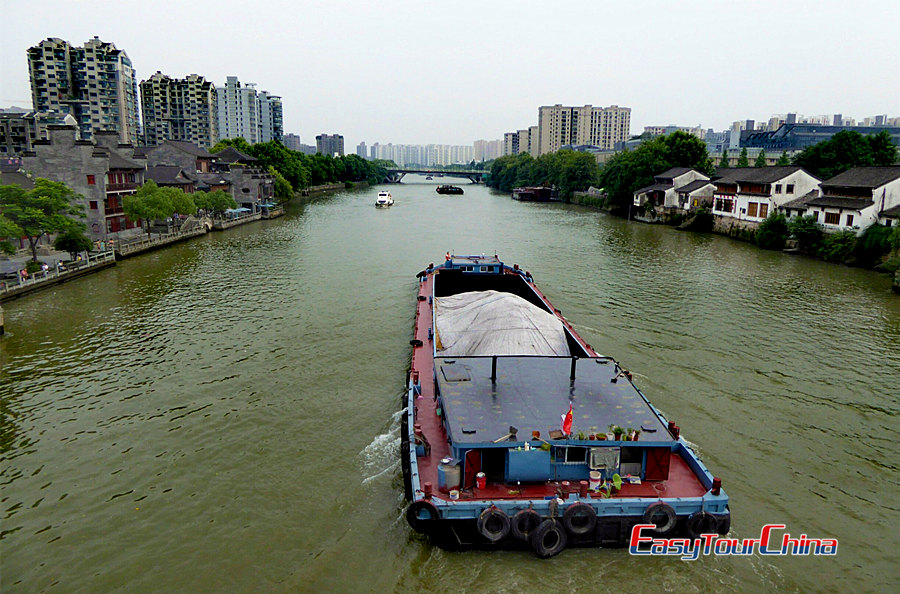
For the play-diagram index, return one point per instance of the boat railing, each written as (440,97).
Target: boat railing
(619,372)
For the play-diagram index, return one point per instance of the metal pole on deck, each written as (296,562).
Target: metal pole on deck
(494,368)
(572,370)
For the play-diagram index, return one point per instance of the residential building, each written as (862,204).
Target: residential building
(186,155)
(179,109)
(487,150)
(330,144)
(292,141)
(560,125)
(855,199)
(511,143)
(677,187)
(362,151)
(271,118)
(102,171)
(95,84)
(19,128)
(752,193)
(245,113)
(663,130)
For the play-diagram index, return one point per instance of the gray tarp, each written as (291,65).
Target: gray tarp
(493,323)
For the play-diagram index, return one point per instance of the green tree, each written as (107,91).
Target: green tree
(845,150)
(743,161)
(283,189)
(630,170)
(182,202)
(783,160)
(149,203)
(760,159)
(48,208)
(772,233)
(724,162)
(220,201)
(238,143)
(8,230)
(807,231)
(72,240)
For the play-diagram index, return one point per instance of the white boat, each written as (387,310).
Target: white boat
(384,200)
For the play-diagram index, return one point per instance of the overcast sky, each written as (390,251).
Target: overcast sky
(419,72)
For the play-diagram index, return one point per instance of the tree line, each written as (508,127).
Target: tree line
(567,170)
(298,171)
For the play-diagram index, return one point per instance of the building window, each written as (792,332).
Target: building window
(790,189)
(90,180)
(93,205)
(778,188)
(763,210)
(849,220)
(752,209)
(815,215)
(832,218)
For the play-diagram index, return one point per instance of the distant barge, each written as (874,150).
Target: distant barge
(535,194)
(446,189)
(491,455)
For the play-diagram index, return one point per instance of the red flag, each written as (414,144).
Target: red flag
(567,421)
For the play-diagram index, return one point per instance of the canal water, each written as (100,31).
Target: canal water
(222,415)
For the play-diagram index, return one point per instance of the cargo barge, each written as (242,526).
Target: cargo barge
(516,433)
(447,189)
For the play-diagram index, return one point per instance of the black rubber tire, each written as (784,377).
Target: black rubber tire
(422,515)
(579,519)
(523,523)
(653,512)
(725,523)
(493,524)
(548,539)
(702,522)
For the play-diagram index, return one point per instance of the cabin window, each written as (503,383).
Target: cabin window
(849,220)
(571,455)
(832,218)
(605,459)
(485,269)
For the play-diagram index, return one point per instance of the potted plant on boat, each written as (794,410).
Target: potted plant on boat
(637,433)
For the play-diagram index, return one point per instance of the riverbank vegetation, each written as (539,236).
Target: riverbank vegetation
(568,171)
(845,150)
(299,171)
(151,203)
(629,170)
(47,209)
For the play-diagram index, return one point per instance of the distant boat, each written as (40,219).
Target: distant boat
(384,200)
(445,189)
(535,194)
(429,177)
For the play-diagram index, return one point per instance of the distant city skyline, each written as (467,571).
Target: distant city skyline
(454,76)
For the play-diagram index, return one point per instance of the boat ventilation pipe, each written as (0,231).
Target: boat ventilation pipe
(716,486)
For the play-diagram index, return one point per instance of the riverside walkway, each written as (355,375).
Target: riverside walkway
(16,287)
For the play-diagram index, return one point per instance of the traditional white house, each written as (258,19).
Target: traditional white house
(858,198)
(667,185)
(752,193)
(890,217)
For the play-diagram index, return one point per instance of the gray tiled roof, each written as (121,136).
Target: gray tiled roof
(8,178)
(840,202)
(674,172)
(694,185)
(167,174)
(190,148)
(893,212)
(864,177)
(231,155)
(660,187)
(117,161)
(801,202)
(757,175)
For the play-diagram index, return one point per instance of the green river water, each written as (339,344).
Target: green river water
(222,415)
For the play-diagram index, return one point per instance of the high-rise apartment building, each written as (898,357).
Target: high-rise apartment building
(361,150)
(179,109)
(602,127)
(271,121)
(486,150)
(248,114)
(330,144)
(94,83)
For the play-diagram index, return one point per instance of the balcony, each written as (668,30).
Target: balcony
(121,187)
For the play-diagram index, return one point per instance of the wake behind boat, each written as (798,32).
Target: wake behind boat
(517,433)
(384,200)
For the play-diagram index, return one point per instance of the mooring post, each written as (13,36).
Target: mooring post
(494,368)
(572,370)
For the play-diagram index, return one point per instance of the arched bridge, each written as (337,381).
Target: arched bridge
(394,176)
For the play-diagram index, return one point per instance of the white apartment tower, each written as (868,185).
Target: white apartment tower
(560,125)
(95,84)
(179,109)
(255,117)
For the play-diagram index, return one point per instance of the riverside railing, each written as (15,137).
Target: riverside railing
(56,273)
